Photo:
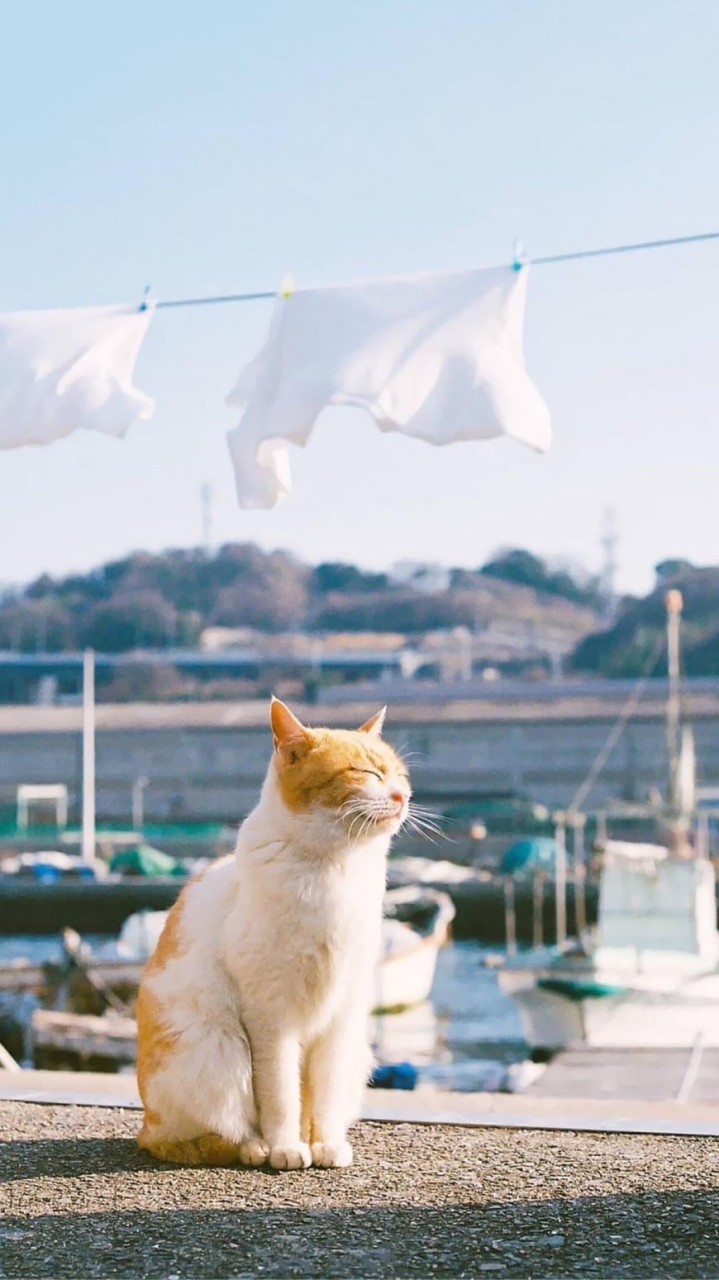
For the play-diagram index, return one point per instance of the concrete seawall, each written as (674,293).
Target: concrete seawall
(206,760)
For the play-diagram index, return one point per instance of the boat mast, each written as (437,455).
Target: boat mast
(674,606)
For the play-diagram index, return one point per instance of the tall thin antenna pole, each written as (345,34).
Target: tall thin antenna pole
(674,604)
(88,756)
(610,541)
(206,504)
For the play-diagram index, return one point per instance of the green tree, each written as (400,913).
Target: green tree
(140,620)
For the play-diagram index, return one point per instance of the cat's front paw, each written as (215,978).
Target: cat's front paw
(295,1156)
(254,1151)
(332,1155)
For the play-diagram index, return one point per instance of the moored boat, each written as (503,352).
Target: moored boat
(416,924)
(651,980)
(651,977)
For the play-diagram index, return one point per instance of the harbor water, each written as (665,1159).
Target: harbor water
(466,1037)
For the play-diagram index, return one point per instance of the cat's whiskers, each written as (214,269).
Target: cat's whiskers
(364,812)
(426,829)
(423,834)
(355,805)
(372,814)
(420,821)
(420,808)
(368,820)
(419,811)
(424,822)
(360,818)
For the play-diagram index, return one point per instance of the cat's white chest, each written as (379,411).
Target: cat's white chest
(312,938)
(337,920)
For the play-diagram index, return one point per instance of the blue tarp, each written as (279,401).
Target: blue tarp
(537,854)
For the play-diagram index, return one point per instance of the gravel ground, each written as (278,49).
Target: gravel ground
(78,1199)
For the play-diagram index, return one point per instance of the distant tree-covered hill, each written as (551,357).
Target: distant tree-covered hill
(627,648)
(157,601)
(166,600)
(529,570)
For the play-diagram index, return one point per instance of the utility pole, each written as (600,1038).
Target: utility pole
(88,756)
(138,802)
(560,876)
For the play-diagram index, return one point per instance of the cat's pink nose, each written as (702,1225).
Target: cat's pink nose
(399,798)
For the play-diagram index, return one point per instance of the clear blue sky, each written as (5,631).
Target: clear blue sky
(216,146)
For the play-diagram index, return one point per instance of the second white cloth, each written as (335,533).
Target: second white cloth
(438,357)
(70,369)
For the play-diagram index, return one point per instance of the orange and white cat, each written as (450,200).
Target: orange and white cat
(252,1013)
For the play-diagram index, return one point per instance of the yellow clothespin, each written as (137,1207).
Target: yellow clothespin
(287,287)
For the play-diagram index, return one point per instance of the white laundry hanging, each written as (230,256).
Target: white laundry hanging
(65,370)
(436,356)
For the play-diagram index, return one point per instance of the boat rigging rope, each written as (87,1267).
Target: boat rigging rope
(617,729)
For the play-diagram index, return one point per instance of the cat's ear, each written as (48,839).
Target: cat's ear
(290,736)
(374,725)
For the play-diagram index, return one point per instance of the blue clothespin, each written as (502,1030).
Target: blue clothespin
(145,298)
(520,257)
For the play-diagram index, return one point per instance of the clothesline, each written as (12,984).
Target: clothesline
(267,295)
(437,356)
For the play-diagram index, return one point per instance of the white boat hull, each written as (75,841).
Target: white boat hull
(646,1016)
(406,979)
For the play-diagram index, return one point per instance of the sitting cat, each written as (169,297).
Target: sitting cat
(252,1014)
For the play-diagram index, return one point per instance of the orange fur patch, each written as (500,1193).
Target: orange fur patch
(209,1149)
(154,1044)
(154,1041)
(330,766)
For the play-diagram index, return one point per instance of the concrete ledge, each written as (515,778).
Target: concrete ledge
(432,1107)
(78,1198)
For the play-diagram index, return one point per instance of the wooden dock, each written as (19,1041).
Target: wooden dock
(646,1075)
(70,1038)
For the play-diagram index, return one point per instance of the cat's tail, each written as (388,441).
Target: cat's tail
(207,1148)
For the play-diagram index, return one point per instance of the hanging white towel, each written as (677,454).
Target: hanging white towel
(64,370)
(438,357)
